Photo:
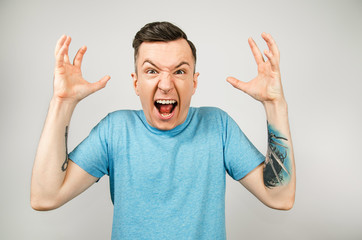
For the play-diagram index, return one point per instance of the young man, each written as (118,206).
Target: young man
(166,163)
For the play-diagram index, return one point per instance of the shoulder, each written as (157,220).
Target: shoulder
(211,116)
(123,115)
(210,113)
(119,118)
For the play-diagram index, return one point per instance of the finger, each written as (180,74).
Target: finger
(59,44)
(67,43)
(272,59)
(256,52)
(100,84)
(271,44)
(59,58)
(237,83)
(79,56)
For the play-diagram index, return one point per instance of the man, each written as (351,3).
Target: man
(166,163)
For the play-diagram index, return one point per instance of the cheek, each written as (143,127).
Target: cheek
(191,88)
(146,92)
(186,93)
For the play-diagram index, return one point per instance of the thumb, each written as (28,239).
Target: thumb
(237,83)
(100,84)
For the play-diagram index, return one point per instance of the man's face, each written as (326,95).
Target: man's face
(165,82)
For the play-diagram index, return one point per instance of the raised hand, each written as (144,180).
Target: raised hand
(266,86)
(69,85)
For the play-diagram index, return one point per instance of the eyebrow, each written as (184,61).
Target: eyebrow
(153,64)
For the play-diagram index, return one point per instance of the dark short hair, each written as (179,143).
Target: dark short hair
(160,32)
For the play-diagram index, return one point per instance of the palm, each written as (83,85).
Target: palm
(266,86)
(68,81)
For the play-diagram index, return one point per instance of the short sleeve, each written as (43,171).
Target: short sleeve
(240,155)
(92,153)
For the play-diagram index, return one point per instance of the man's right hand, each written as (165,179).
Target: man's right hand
(69,84)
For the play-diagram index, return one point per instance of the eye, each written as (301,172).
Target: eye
(151,71)
(180,71)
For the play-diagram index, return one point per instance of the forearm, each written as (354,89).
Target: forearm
(279,167)
(51,158)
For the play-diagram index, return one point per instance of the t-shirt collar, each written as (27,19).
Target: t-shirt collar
(172,132)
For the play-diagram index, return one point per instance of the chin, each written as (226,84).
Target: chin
(164,123)
(165,127)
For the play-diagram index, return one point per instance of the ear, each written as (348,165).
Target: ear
(196,75)
(135,83)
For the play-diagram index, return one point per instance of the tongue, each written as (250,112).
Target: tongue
(165,108)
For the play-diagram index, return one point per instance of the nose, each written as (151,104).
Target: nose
(165,83)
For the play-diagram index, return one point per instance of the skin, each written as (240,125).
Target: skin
(165,71)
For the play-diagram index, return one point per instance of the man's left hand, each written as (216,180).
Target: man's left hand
(266,86)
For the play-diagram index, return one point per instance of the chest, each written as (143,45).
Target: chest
(163,166)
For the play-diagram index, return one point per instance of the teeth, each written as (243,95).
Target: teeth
(166,114)
(166,101)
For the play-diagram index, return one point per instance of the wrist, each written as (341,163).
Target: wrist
(61,110)
(63,101)
(276,110)
(276,103)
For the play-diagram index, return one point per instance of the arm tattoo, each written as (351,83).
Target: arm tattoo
(277,168)
(65,164)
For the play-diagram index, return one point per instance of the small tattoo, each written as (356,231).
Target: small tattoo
(65,164)
(277,164)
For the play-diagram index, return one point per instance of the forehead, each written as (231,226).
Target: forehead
(165,53)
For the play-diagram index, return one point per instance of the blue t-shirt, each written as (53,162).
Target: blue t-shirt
(168,184)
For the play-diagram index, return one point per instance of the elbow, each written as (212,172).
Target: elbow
(41,204)
(41,200)
(280,201)
(285,204)
(40,207)
(290,204)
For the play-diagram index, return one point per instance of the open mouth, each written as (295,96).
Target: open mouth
(166,107)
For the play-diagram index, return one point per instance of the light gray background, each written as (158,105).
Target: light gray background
(321,48)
